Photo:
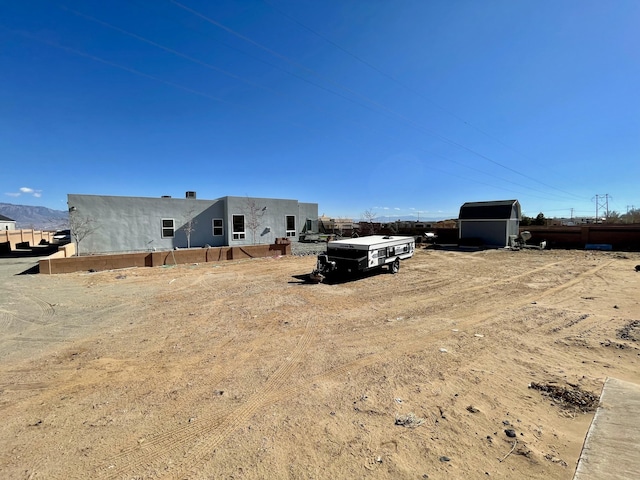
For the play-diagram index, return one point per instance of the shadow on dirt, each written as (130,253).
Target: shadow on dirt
(33,270)
(338,279)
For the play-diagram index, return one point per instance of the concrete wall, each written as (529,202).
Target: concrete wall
(56,264)
(129,224)
(270,218)
(64,251)
(32,237)
(134,224)
(307,211)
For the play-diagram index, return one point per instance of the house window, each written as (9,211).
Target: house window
(168,228)
(218,230)
(291,225)
(238,227)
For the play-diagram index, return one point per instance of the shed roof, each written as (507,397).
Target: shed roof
(494,210)
(6,219)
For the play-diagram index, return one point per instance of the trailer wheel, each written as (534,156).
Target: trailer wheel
(394,267)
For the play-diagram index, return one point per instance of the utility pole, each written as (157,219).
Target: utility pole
(602,202)
(571,213)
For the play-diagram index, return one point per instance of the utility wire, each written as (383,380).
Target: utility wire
(236,77)
(205,64)
(418,93)
(120,67)
(200,93)
(407,120)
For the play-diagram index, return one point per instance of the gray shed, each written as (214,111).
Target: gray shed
(489,223)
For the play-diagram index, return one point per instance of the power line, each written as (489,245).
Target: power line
(236,77)
(415,92)
(117,65)
(211,97)
(351,91)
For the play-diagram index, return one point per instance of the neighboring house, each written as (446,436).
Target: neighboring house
(130,224)
(489,223)
(336,225)
(6,223)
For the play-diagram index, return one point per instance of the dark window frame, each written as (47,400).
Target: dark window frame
(168,228)
(238,234)
(290,228)
(217,228)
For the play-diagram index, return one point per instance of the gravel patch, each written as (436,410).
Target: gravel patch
(311,249)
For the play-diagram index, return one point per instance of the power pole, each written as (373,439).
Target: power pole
(602,202)
(571,213)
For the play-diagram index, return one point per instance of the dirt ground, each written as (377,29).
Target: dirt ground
(241,370)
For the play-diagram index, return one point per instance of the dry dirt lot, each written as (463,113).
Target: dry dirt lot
(243,371)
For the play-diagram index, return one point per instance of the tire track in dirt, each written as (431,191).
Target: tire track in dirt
(578,279)
(188,398)
(200,438)
(7,318)
(418,343)
(65,330)
(446,300)
(485,285)
(14,387)
(45,309)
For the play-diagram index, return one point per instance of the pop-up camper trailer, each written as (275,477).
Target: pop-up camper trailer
(362,254)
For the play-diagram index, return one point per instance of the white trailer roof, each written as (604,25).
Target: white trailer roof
(365,242)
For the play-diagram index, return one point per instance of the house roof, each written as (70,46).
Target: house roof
(494,210)
(6,219)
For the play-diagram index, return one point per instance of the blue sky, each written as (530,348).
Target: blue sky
(397,107)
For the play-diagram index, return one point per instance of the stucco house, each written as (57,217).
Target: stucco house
(7,223)
(110,224)
(490,223)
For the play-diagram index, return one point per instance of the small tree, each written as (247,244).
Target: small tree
(81,228)
(539,220)
(368,216)
(189,224)
(614,217)
(632,216)
(254,216)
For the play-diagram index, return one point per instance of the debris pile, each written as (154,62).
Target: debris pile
(568,398)
(409,420)
(631,331)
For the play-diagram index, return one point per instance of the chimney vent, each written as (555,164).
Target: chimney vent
(191,195)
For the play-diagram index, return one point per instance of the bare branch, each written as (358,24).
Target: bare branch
(254,216)
(81,228)
(369,216)
(189,224)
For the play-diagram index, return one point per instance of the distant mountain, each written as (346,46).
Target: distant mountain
(404,218)
(38,218)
